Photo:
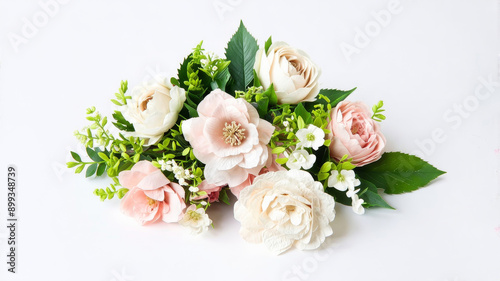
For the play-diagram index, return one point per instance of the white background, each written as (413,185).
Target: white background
(425,63)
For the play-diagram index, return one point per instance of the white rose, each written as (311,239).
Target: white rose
(154,108)
(292,73)
(285,209)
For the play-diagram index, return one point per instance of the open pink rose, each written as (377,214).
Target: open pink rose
(151,195)
(355,133)
(271,166)
(229,138)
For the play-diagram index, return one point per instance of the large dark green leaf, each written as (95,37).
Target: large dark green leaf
(241,51)
(398,172)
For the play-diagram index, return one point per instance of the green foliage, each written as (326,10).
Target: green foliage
(223,197)
(111,191)
(330,98)
(241,50)
(377,112)
(371,197)
(268,44)
(121,98)
(121,123)
(398,172)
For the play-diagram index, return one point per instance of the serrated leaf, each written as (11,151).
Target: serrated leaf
(398,172)
(91,170)
(182,72)
(241,50)
(76,156)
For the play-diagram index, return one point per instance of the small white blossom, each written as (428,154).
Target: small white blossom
(286,123)
(311,136)
(182,181)
(357,204)
(203,203)
(196,219)
(300,159)
(194,189)
(343,181)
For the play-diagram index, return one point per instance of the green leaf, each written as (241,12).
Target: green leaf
(79,169)
(121,123)
(76,156)
(300,123)
(71,164)
(281,161)
(326,167)
(278,150)
(262,106)
(256,81)
(100,169)
(335,96)
(182,72)
(241,51)
(192,111)
(223,196)
(398,172)
(91,170)
(222,78)
(93,155)
(271,95)
(301,111)
(268,44)
(371,197)
(122,192)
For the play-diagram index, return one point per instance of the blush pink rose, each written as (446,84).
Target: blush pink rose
(229,138)
(151,195)
(355,133)
(212,191)
(271,166)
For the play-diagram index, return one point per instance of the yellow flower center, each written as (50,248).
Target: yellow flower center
(233,134)
(193,215)
(151,202)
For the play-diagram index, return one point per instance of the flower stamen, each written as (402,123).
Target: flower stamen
(233,134)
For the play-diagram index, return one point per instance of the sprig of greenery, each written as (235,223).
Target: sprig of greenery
(121,98)
(377,112)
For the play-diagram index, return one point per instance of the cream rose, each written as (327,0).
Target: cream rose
(292,73)
(285,209)
(154,108)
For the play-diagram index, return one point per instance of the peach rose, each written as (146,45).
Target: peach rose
(151,195)
(355,133)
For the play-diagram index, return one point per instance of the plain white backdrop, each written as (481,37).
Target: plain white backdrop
(434,63)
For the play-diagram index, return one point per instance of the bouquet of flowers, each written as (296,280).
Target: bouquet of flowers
(255,124)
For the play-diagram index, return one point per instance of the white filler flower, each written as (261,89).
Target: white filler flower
(196,219)
(300,158)
(344,180)
(285,209)
(311,136)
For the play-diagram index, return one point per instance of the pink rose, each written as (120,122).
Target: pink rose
(355,133)
(229,138)
(212,191)
(271,166)
(151,195)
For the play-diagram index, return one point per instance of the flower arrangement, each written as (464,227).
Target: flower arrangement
(255,124)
